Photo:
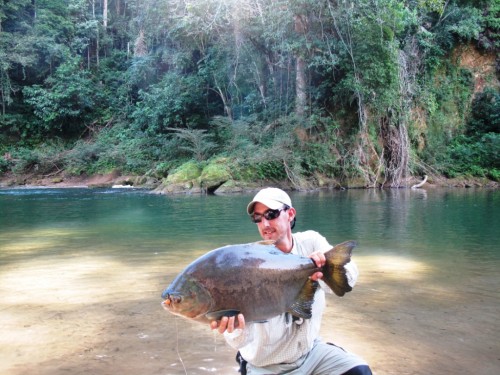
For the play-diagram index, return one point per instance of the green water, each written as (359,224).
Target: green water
(444,223)
(422,255)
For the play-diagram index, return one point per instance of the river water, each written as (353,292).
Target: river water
(82,270)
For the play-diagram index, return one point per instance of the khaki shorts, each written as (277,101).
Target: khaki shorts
(323,359)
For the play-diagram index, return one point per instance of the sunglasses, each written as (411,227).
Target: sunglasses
(268,215)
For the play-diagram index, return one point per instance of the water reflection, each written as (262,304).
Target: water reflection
(81,272)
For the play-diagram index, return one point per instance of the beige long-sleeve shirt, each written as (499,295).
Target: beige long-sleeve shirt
(281,339)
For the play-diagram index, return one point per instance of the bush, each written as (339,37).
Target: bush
(477,153)
(485,113)
(176,101)
(66,101)
(4,165)
(479,158)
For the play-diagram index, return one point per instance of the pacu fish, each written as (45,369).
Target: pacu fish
(256,279)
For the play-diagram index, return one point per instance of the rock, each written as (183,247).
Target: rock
(182,180)
(214,175)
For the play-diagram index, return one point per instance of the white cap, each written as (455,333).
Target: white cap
(273,198)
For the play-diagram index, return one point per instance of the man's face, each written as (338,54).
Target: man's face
(276,229)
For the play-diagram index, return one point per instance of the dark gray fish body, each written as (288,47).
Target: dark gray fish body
(256,279)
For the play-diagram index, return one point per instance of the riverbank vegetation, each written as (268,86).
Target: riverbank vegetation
(367,92)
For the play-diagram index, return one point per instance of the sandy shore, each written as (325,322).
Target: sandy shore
(94,315)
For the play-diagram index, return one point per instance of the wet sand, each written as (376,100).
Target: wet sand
(96,315)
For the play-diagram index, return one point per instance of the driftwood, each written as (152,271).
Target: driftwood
(420,184)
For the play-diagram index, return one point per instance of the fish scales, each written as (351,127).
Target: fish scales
(255,279)
(249,280)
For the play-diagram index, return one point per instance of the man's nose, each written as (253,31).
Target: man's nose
(264,222)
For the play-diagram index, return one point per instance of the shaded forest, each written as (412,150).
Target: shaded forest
(372,91)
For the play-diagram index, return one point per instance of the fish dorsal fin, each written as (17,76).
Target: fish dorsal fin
(302,306)
(217,315)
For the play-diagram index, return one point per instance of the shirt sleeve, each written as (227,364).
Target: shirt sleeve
(352,273)
(308,242)
(240,337)
(280,339)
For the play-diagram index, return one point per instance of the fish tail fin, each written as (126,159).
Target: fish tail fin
(334,272)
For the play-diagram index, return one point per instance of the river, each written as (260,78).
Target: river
(82,270)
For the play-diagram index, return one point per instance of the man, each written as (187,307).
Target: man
(285,344)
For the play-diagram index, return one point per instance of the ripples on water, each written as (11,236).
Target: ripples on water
(81,272)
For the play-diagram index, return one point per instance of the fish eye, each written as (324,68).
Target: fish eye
(176,299)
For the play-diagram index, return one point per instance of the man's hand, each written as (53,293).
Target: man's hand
(319,259)
(228,324)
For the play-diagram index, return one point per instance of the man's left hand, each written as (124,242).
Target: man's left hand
(319,259)
(228,324)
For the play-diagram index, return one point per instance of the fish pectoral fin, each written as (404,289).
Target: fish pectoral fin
(218,315)
(302,306)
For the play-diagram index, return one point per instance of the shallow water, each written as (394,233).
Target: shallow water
(81,273)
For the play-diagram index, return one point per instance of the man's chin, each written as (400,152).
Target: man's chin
(269,237)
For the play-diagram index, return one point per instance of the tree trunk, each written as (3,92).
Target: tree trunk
(300,71)
(395,143)
(105,14)
(300,88)
(140,48)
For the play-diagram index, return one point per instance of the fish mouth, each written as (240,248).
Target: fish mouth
(170,300)
(165,305)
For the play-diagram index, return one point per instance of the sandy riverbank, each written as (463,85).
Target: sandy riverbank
(98,316)
(118,180)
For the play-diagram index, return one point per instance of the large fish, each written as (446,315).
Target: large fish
(256,279)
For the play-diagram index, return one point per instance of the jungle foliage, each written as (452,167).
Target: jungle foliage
(285,89)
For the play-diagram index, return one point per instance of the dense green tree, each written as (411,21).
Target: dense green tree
(67,100)
(367,88)
(16,52)
(176,101)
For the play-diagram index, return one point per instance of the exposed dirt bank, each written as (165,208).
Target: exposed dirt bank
(95,181)
(117,180)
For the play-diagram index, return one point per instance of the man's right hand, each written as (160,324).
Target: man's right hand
(227,324)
